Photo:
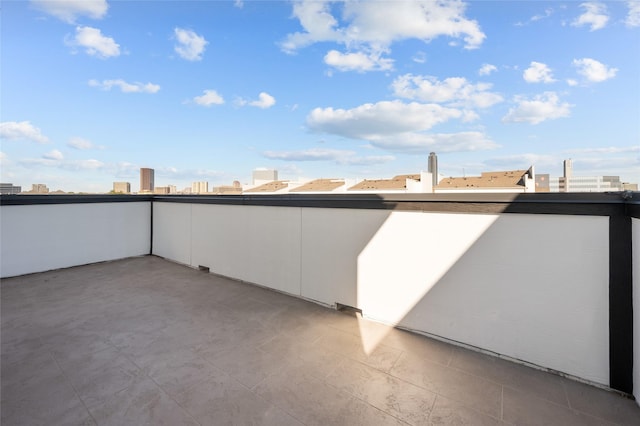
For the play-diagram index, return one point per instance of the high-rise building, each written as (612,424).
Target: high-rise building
(122,187)
(433,168)
(199,187)
(146,180)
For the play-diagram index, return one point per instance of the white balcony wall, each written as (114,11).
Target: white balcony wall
(635,251)
(172,231)
(36,238)
(255,244)
(530,287)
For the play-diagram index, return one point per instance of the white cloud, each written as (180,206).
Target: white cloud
(14,130)
(547,13)
(595,15)
(312,154)
(339,156)
(370,27)
(69,10)
(633,16)
(210,97)
(238,3)
(546,106)
(370,121)
(422,143)
(264,101)
(82,144)
(523,160)
(398,126)
(538,73)
(487,69)
(456,91)
(90,164)
(594,71)
(55,159)
(125,87)
(605,150)
(358,61)
(94,43)
(54,155)
(572,82)
(190,45)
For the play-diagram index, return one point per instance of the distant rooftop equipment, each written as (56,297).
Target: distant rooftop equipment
(433,168)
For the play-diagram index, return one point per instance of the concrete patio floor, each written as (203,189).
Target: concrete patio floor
(146,341)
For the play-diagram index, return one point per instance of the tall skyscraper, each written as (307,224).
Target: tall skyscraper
(433,168)
(146,180)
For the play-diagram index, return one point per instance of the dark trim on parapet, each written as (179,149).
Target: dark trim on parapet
(590,204)
(151,229)
(30,200)
(620,303)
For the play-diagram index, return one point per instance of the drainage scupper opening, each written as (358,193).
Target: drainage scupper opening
(348,310)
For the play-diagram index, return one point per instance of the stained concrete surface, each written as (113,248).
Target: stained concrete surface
(146,341)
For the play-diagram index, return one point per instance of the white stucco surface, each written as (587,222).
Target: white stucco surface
(532,287)
(36,238)
(252,243)
(172,231)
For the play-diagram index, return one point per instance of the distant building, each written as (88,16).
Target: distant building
(586,184)
(570,183)
(173,189)
(414,183)
(542,182)
(261,176)
(494,182)
(161,190)
(233,189)
(320,186)
(122,187)
(433,169)
(626,186)
(39,188)
(199,187)
(146,180)
(9,188)
(269,187)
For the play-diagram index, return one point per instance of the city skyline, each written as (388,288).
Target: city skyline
(210,91)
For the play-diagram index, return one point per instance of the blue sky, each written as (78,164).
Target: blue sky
(210,90)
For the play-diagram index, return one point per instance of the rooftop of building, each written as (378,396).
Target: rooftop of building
(398,182)
(319,185)
(273,186)
(500,179)
(147,341)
